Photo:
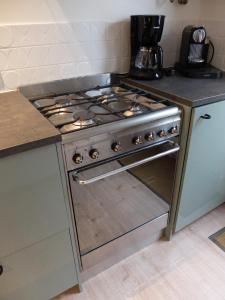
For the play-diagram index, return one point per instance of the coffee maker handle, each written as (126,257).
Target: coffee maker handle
(161,57)
(213,51)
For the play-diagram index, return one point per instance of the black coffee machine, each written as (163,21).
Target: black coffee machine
(146,55)
(196,54)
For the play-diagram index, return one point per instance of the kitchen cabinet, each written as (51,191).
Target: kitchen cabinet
(40,271)
(35,227)
(203,180)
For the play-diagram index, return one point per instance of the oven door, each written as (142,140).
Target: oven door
(116,197)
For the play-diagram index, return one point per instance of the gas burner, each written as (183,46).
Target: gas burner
(118,106)
(58,111)
(67,100)
(61,116)
(93,93)
(84,119)
(135,109)
(107,93)
(107,98)
(58,101)
(98,110)
(113,90)
(45,102)
(62,101)
(75,97)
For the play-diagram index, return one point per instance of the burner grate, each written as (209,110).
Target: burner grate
(71,112)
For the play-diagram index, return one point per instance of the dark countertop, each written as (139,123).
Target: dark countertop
(22,126)
(191,92)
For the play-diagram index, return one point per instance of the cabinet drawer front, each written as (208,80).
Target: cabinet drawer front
(204,177)
(39,272)
(32,205)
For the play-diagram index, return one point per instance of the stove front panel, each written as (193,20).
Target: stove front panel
(114,143)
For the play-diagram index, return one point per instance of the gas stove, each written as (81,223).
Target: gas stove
(120,147)
(103,114)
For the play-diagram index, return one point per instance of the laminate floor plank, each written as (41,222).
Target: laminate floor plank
(190,266)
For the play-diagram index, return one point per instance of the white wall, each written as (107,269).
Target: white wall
(213,10)
(212,17)
(44,40)
(39,11)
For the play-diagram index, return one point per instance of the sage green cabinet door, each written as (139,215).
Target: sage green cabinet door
(32,204)
(39,272)
(204,177)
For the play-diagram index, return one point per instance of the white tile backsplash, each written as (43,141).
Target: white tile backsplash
(6,36)
(98,31)
(17,58)
(3,58)
(113,31)
(11,79)
(82,31)
(68,70)
(84,68)
(66,33)
(38,56)
(32,53)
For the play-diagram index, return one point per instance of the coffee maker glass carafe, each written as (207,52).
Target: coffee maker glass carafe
(149,58)
(142,58)
(146,54)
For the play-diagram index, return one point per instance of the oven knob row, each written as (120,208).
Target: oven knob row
(172,130)
(116,147)
(78,158)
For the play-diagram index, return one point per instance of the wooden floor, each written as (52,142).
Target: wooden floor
(188,267)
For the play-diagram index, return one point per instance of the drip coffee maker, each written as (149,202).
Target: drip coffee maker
(146,54)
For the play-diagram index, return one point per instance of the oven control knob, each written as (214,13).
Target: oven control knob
(138,140)
(173,130)
(78,158)
(162,133)
(150,136)
(116,147)
(94,154)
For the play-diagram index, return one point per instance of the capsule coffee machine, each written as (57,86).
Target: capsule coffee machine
(196,54)
(146,55)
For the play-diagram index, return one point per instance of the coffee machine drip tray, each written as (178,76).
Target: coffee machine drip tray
(206,72)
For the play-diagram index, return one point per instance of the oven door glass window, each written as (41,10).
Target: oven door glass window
(109,207)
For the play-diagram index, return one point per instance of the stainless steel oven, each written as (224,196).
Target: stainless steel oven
(118,198)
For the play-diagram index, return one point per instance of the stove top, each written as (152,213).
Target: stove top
(71,112)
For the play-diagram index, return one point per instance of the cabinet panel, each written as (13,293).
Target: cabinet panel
(32,205)
(39,272)
(204,176)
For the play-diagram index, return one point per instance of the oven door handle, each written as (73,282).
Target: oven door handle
(175,148)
